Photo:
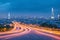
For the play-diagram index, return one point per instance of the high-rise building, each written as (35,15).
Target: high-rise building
(52,16)
(9,15)
(58,16)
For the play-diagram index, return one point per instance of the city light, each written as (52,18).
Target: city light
(29,19)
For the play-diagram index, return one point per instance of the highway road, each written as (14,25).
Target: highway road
(24,32)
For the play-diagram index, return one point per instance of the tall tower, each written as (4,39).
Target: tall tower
(52,16)
(58,16)
(9,15)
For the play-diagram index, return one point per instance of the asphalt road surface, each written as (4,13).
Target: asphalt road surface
(21,32)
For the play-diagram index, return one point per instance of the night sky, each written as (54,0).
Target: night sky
(39,8)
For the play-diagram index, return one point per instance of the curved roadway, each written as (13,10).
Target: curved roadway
(19,30)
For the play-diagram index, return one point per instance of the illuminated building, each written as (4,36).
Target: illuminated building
(9,15)
(58,16)
(52,16)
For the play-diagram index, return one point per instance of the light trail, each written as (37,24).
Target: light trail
(22,29)
(40,31)
(15,32)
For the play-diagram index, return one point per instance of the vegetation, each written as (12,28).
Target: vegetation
(49,25)
(4,28)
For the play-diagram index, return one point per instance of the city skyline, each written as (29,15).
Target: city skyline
(29,19)
(39,8)
(9,15)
